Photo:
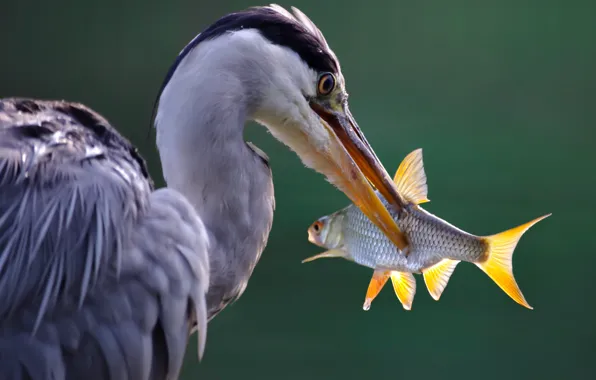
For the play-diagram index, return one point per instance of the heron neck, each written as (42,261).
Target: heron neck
(204,156)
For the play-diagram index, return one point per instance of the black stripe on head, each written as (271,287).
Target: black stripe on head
(276,27)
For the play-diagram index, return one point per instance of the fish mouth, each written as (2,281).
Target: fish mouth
(357,167)
(314,239)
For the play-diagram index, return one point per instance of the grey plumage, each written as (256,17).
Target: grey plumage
(100,276)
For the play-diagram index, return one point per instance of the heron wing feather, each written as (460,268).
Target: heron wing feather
(100,277)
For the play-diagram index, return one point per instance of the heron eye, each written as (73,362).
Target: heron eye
(326,84)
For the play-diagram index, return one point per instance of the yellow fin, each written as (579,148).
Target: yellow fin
(329,253)
(498,263)
(378,280)
(437,276)
(410,178)
(404,285)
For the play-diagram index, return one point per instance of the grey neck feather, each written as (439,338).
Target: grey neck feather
(200,124)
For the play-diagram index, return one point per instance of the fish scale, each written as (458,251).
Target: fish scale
(431,240)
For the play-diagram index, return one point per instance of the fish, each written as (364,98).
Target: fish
(434,246)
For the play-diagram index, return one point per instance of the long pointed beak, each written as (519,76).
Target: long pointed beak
(356,165)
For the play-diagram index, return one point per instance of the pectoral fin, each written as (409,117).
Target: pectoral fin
(329,253)
(410,178)
(378,280)
(404,285)
(437,276)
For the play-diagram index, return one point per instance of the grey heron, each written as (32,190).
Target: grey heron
(104,277)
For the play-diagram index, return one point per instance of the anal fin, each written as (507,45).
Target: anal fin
(378,280)
(404,285)
(437,276)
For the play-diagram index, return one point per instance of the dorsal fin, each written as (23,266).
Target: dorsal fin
(410,178)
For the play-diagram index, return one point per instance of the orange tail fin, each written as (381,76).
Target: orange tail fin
(498,264)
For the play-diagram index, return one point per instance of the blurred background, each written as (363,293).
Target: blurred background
(501,97)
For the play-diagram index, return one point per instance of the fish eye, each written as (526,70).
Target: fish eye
(326,84)
(317,226)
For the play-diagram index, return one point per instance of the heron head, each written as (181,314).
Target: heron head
(278,68)
(305,105)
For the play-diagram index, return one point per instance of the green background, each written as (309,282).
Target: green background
(501,97)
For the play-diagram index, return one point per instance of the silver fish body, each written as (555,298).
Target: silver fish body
(431,240)
(434,247)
